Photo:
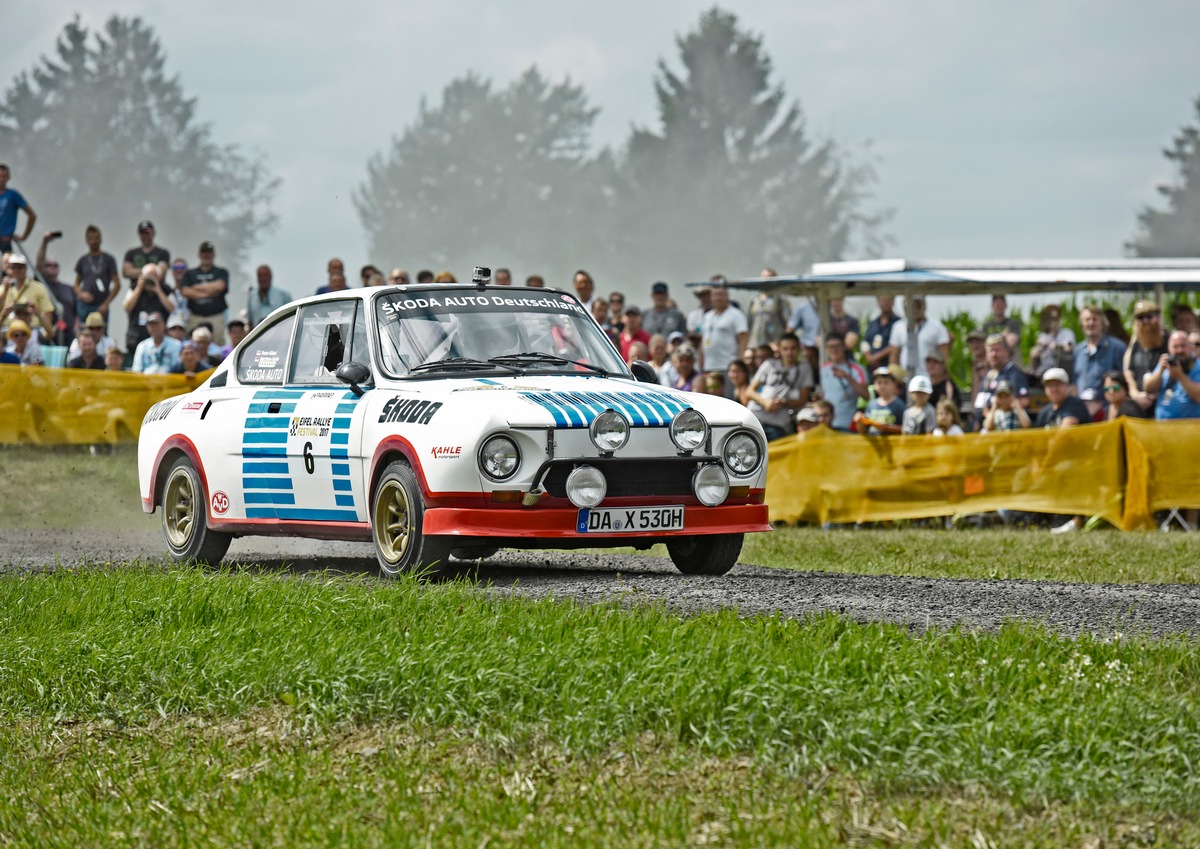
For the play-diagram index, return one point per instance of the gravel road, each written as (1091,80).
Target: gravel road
(914,602)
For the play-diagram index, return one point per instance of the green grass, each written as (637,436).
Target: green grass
(126,697)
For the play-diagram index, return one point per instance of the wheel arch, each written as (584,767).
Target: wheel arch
(172,449)
(390,449)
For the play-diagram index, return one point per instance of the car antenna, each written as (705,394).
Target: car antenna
(482,275)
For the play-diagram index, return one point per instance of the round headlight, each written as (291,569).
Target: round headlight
(711,485)
(499,458)
(586,486)
(609,431)
(688,430)
(742,453)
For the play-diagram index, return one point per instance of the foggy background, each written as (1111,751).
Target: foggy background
(994,130)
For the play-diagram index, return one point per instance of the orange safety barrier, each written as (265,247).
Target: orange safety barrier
(53,406)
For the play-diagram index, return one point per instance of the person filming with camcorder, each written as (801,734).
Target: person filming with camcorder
(1176,380)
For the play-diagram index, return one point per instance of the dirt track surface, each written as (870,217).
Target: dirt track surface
(914,602)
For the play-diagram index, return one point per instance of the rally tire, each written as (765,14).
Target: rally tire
(705,555)
(185,518)
(397,517)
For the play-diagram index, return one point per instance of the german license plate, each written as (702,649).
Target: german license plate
(623,520)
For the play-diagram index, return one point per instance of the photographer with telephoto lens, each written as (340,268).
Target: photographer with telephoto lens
(1176,379)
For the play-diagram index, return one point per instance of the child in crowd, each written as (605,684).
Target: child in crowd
(948,421)
(920,417)
(885,411)
(1004,412)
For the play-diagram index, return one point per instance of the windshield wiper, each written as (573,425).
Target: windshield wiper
(462,364)
(532,357)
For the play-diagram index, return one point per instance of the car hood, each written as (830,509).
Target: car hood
(574,401)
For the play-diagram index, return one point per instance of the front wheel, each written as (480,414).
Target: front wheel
(396,521)
(184,521)
(705,555)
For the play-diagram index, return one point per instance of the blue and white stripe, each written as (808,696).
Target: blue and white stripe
(578,409)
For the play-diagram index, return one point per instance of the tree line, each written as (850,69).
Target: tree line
(728,177)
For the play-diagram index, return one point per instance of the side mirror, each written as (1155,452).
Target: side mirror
(643,371)
(353,374)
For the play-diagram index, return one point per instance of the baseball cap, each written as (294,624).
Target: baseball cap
(1058,374)
(920,383)
(207,246)
(632,309)
(702,290)
(153,317)
(936,355)
(675,336)
(659,288)
(145,225)
(1142,308)
(977,334)
(174,320)
(883,371)
(17,326)
(16,259)
(685,350)
(808,414)
(1004,388)
(94,319)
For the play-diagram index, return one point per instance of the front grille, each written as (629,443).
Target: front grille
(665,477)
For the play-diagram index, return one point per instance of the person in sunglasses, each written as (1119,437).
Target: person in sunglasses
(1116,395)
(1141,357)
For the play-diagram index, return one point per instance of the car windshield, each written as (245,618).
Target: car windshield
(444,331)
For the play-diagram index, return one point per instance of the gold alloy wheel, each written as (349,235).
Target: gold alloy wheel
(179,509)
(393,521)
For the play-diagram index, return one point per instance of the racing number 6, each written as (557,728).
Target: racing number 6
(310,464)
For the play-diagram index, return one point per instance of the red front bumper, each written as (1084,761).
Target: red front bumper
(559,522)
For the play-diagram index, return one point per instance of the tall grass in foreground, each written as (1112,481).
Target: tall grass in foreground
(1020,711)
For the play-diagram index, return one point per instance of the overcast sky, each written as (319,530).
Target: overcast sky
(1000,129)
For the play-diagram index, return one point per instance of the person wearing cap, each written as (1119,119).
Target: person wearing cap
(150,294)
(1001,369)
(19,288)
(843,382)
(724,333)
(1055,345)
(695,318)
(12,202)
(89,357)
(1098,352)
(145,253)
(95,325)
(177,327)
(264,297)
(22,345)
(205,287)
(1175,380)
(807,419)
(632,332)
(96,278)
(682,372)
(1148,345)
(1008,326)
(158,353)
(779,388)
(943,385)
(885,411)
(920,418)
(915,335)
(663,319)
(1063,409)
(1004,412)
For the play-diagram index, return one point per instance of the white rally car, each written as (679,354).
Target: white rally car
(449,420)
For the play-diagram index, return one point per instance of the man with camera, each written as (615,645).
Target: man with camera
(63,292)
(150,295)
(24,298)
(136,258)
(1176,379)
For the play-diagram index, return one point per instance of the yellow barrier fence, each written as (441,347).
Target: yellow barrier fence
(63,406)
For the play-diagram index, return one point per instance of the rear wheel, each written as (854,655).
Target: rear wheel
(705,555)
(184,520)
(396,521)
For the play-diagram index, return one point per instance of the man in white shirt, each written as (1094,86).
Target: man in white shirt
(158,353)
(915,335)
(725,331)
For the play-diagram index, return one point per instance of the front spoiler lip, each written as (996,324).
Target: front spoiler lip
(559,523)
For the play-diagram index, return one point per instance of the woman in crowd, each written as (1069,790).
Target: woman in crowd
(1055,346)
(738,375)
(686,377)
(1116,394)
(1142,355)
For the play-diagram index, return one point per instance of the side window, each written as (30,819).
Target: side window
(323,341)
(360,351)
(264,359)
